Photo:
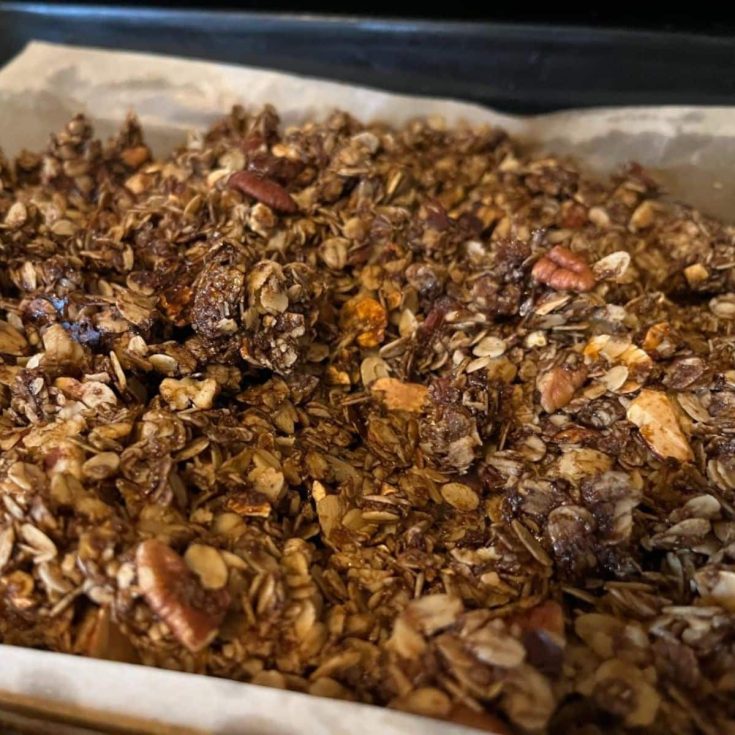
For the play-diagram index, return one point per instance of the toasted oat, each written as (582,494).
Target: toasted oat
(400,416)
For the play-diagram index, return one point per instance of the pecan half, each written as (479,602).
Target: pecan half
(557,386)
(175,594)
(264,190)
(564,270)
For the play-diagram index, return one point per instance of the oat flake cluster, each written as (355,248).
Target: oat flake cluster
(401,416)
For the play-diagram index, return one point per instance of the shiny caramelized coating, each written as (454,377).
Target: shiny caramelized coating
(402,416)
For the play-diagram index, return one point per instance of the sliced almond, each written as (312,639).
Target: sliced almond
(656,418)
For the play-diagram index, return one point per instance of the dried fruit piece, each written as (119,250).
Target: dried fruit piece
(564,270)
(264,190)
(656,418)
(366,318)
(175,594)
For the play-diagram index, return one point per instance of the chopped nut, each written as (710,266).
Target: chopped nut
(644,216)
(696,274)
(207,563)
(558,385)
(264,190)
(187,392)
(564,270)
(612,267)
(398,396)
(621,688)
(17,215)
(173,592)
(723,307)
(654,415)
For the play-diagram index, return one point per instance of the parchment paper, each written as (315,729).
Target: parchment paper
(692,149)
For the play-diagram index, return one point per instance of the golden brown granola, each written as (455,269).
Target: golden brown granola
(402,416)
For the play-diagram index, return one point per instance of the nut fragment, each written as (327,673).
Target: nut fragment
(207,563)
(187,392)
(564,270)
(612,267)
(622,689)
(654,415)
(558,385)
(16,215)
(398,396)
(264,190)
(174,593)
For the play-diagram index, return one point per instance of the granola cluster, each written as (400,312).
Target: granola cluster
(400,416)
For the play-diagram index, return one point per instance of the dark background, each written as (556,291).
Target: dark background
(714,19)
(502,54)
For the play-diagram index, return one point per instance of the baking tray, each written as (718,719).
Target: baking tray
(517,68)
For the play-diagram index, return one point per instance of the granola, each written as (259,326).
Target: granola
(400,416)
